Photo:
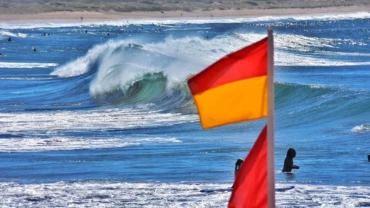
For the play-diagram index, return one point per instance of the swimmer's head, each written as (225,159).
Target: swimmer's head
(291,153)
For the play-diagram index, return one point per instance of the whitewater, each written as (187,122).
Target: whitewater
(99,114)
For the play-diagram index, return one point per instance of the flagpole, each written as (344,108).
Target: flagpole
(270,122)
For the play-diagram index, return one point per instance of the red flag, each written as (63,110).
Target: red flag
(250,186)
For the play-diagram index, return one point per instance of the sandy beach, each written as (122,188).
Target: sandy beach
(93,16)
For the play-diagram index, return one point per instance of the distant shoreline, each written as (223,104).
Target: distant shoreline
(55,17)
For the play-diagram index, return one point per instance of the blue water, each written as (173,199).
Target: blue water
(99,114)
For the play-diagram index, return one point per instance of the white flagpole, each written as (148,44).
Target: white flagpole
(270,122)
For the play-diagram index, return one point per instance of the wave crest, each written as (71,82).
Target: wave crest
(361,128)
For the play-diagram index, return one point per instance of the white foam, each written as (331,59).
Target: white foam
(26,65)
(198,52)
(7,33)
(25,78)
(316,86)
(83,64)
(190,50)
(60,143)
(207,52)
(361,128)
(287,59)
(284,43)
(122,194)
(22,35)
(98,120)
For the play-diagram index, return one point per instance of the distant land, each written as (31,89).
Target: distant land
(42,6)
(60,10)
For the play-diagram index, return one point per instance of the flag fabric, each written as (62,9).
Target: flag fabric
(233,89)
(250,187)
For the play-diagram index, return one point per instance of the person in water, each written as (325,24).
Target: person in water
(288,162)
(238,165)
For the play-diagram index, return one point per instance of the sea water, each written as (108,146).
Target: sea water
(99,114)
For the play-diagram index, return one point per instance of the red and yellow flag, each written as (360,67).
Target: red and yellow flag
(233,89)
(250,186)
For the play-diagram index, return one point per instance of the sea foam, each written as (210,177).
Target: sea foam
(186,194)
(361,128)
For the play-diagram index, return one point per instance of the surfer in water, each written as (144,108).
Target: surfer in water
(288,162)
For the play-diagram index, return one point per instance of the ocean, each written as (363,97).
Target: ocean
(99,114)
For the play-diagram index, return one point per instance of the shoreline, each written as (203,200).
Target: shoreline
(57,17)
